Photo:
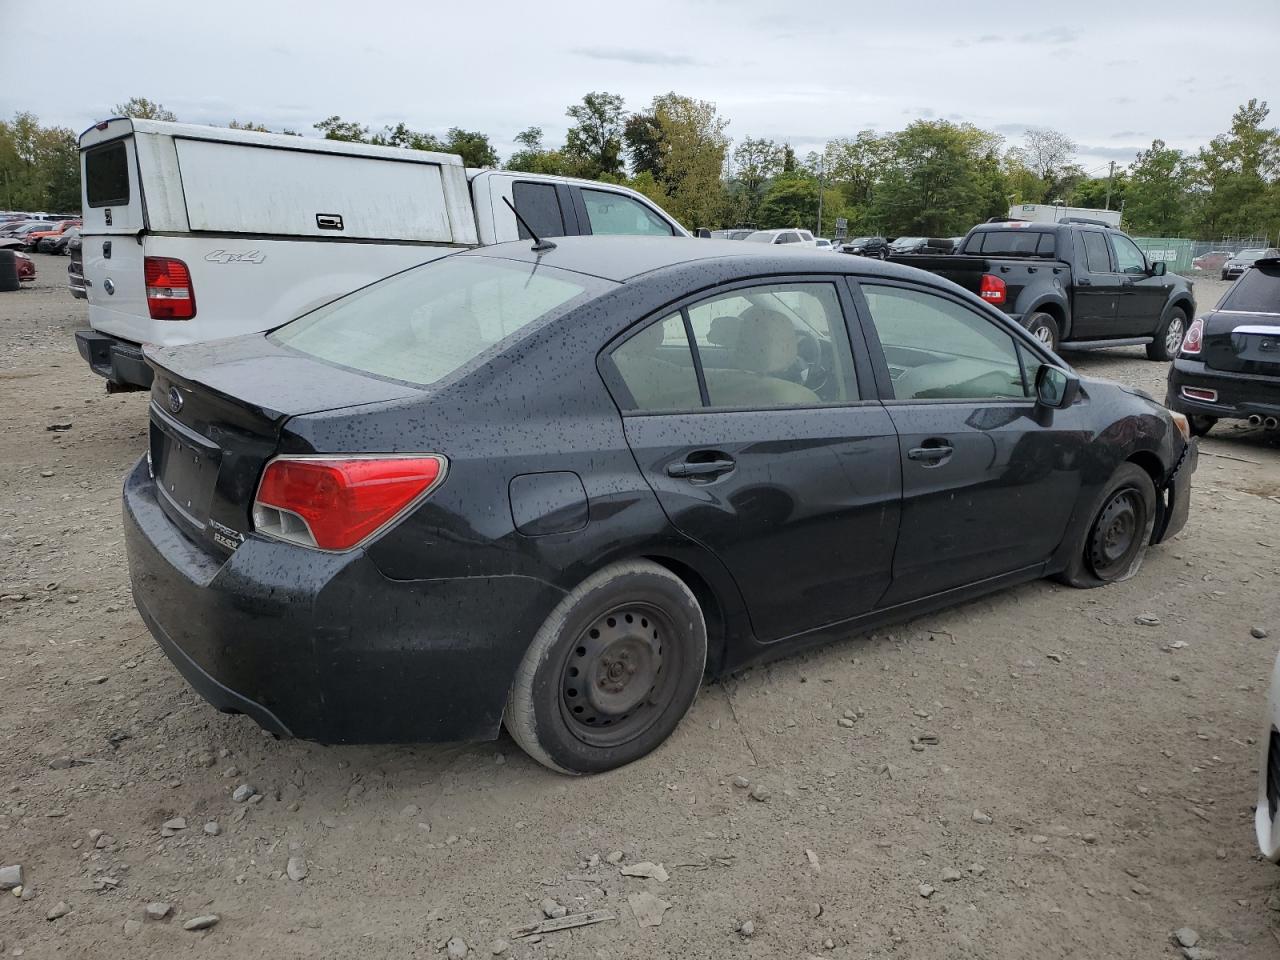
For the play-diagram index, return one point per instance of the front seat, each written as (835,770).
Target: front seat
(766,346)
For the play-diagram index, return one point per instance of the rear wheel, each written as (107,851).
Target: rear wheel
(611,672)
(1201,425)
(1044,328)
(1114,543)
(1168,339)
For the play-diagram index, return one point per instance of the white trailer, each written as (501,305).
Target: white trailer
(195,233)
(1052,213)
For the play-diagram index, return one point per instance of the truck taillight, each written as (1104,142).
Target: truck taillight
(992,289)
(1194,340)
(335,503)
(169,292)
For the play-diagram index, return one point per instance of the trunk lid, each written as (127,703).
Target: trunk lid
(1243,334)
(218,412)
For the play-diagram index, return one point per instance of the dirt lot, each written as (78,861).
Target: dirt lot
(1116,761)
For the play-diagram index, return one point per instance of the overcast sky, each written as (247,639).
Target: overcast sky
(1112,75)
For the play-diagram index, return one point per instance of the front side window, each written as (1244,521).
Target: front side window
(937,349)
(539,204)
(106,175)
(616,213)
(1096,253)
(779,345)
(1129,258)
(787,238)
(421,325)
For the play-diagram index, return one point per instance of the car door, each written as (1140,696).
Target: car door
(989,479)
(1142,296)
(1096,290)
(763,440)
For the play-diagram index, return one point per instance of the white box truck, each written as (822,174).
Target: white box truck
(1052,213)
(195,233)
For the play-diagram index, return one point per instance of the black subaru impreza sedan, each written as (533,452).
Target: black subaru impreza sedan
(555,488)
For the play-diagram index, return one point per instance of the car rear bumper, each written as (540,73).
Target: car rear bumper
(120,361)
(1240,395)
(321,645)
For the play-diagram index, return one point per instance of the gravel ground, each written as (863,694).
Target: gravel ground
(1090,792)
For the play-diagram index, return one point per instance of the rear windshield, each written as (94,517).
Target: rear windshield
(106,175)
(1257,291)
(421,325)
(1012,243)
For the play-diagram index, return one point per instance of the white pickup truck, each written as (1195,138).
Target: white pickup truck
(196,233)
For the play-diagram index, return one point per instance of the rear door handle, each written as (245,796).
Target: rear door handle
(1083,282)
(701,469)
(931,455)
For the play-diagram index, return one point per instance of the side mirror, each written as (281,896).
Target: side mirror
(1159,268)
(1056,387)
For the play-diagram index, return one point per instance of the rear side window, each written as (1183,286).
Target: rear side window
(1096,252)
(1257,291)
(106,175)
(615,213)
(539,204)
(656,365)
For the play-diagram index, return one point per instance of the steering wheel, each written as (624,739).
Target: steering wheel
(810,369)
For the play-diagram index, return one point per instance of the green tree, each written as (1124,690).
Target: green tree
(39,166)
(248,125)
(1158,190)
(693,148)
(140,108)
(472,145)
(1049,155)
(335,128)
(534,157)
(1098,192)
(941,179)
(1239,172)
(643,138)
(594,142)
(756,161)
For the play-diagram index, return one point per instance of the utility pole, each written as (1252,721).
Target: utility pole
(1110,177)
(821,160)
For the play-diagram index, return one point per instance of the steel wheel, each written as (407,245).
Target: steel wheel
(612,686)
(1117,533)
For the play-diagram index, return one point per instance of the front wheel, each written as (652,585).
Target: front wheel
(1044,328)
(1114,543)
(611,672)
(1168,339)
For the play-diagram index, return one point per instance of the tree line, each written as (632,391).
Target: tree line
(931,178)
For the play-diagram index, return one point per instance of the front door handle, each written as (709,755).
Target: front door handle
(931,455)
(700,469)
(1083,282)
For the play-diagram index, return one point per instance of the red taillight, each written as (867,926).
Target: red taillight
(335,504)
(169,292)
(992,289)
(1194,339)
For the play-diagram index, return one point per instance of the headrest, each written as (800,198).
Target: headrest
(766,341)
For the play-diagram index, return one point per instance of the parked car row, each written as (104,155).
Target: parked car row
(1242,261)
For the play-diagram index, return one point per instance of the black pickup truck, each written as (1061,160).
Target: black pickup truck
(1075,284)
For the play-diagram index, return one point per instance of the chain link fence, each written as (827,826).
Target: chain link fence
(1199,257)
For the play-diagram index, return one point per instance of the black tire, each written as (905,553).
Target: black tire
(1113,543)
(1045,329)
(1168,339)
(1201,425)
(590,693)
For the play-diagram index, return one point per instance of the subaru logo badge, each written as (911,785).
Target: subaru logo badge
(109,286)
(175,400)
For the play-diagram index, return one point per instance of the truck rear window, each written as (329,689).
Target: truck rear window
(1257,291)
(1012,243)
(106,175)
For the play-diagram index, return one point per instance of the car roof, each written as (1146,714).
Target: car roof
(621,258)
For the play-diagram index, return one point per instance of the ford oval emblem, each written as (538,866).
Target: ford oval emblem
(175,400)
(109,286)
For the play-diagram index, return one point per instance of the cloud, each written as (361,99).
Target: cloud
(985,38)
(647,58)
(1109,153)
(1011,128)
(1058,35)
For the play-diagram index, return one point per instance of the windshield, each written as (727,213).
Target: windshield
(760,236)
(861,239)
(421,325)
(907,241)
(1248,256)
